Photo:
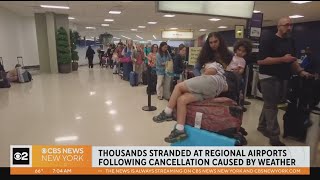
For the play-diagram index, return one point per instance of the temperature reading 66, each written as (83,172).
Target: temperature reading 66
(38,171)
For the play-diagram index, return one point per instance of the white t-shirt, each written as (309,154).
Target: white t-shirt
(236,62)
(219,78)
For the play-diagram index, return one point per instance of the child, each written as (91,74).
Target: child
(241,48)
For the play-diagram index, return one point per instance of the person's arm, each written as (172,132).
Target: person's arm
(266,52)
(277,60)
(197,69)
(296,68)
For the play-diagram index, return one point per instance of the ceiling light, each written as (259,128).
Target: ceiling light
(169,15)
(118,128)
(114,12)
(295,16)
(90,28)
(66,138)
(78,117)
(134,29)
(139,37)
(203,30)
(55,7)
(173,28)
(152,22)
(104,24)
(149,40)
(112,112)
(92,93)
(109,20)
(141,26)
(116,38)
(256,11)
(71,18)
(300,2)
(214,19)
(154,37)
(125,37)
(222,27)
(108,102)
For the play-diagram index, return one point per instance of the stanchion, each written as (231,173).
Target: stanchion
(149,107)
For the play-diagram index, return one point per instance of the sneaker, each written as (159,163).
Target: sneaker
(276,143)
(175,136)
(264,132)
(162,117)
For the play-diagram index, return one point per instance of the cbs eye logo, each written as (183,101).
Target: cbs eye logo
(20,156)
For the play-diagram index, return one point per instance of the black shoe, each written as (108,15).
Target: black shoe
(244,109)
(276,143)
(264,132)
(247,103)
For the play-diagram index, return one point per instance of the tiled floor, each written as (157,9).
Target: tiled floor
(90,107)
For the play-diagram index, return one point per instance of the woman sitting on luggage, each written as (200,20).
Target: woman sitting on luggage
(215,57)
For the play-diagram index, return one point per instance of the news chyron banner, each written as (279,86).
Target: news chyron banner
(158,160)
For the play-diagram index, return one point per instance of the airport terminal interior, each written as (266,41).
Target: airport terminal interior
(99,106)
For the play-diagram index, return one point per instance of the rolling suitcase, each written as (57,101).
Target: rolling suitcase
(23,74)
(301,101)
(219,115)
(127,68)
(133,78)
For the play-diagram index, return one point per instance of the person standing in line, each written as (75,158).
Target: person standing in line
(162,57)
(152,56)
(90,54)
(276,62)
(138,56)
(178,63)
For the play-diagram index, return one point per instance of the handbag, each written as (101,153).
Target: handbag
(169,64)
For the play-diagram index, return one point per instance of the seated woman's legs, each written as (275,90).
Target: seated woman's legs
(178,133)
(166,114)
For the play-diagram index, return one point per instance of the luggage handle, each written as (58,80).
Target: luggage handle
(20,57)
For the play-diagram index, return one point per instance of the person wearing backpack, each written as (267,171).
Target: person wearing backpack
(90,54)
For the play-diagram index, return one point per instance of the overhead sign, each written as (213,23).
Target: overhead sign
(234,9)
(177,35)
(193,55)
(239,31)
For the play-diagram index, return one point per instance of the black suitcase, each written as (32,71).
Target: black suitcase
(301,101)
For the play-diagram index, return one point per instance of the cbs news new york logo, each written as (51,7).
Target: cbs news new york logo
(20,156)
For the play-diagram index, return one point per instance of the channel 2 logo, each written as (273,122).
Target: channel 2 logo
(21,155)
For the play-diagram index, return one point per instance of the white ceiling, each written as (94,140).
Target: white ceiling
(138,13)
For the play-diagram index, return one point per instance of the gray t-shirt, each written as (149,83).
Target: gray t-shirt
(219,77)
